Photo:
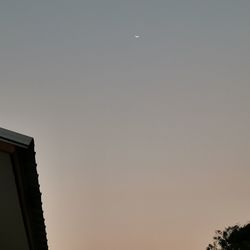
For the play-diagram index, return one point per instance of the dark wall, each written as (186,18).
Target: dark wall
(12,232)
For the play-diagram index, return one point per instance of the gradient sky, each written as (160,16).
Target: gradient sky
(142,143)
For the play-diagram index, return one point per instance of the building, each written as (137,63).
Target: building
(22,225)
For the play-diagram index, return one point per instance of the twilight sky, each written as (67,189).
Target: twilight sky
(142,143)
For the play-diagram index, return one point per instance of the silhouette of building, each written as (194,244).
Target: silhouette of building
(22,224)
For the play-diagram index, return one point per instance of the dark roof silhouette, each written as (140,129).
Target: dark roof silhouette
(20,148)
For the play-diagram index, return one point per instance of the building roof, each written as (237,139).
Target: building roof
(20,150)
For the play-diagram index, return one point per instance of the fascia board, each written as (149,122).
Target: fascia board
(14,138)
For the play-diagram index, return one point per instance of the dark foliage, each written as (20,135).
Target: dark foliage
(232,238)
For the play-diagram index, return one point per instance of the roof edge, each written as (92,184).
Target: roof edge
(21,149)
(20,140)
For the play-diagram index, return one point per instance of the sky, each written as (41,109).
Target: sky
(142,142)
